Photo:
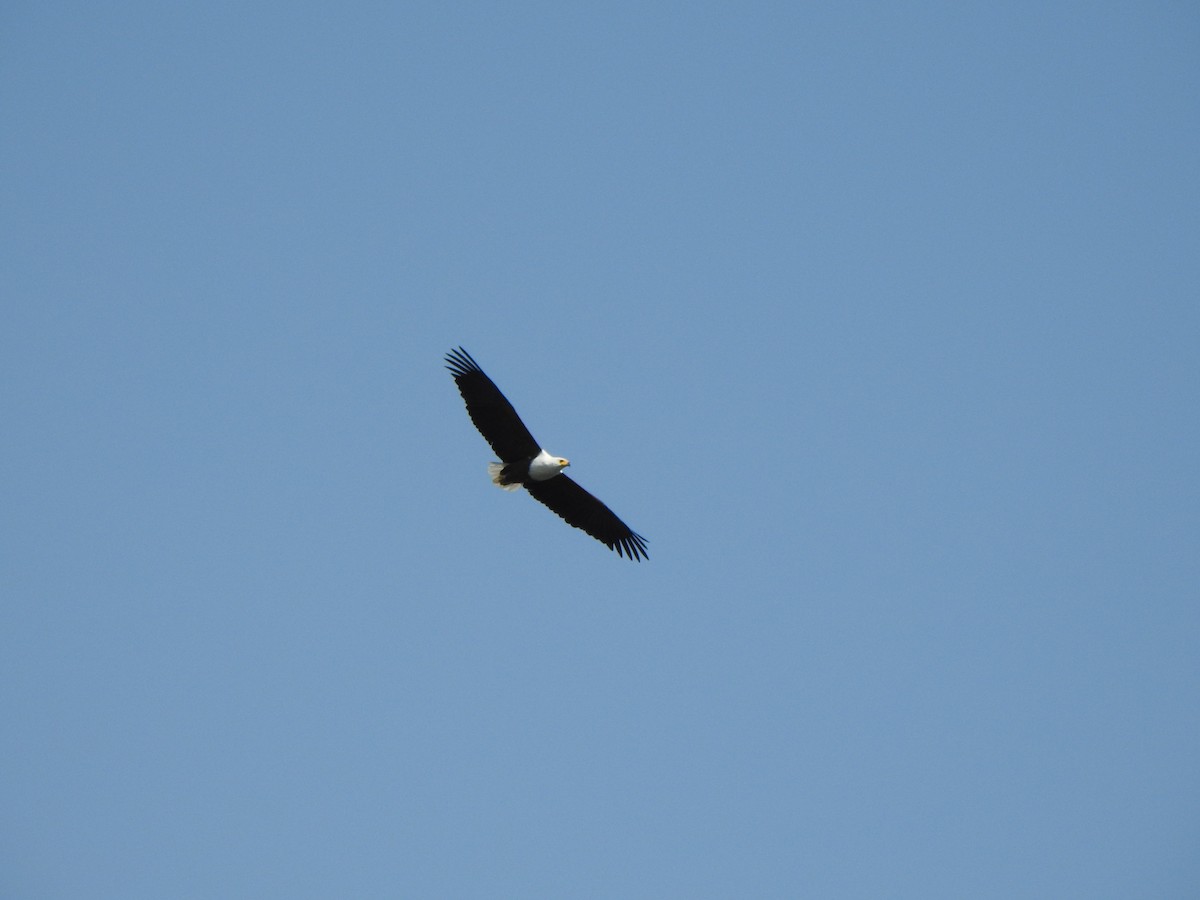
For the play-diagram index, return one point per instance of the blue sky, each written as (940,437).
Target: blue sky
(879,321)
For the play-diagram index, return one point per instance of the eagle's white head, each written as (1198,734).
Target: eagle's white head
(545,466)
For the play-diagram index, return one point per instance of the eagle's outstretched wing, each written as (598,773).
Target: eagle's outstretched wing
(490,410)
(579,508)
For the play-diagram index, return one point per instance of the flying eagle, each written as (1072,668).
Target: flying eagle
(524,462)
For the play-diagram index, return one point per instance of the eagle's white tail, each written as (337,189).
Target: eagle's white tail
(494,470)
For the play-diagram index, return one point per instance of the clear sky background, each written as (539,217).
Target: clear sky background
(881,322)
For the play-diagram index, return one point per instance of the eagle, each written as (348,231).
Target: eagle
(523,462)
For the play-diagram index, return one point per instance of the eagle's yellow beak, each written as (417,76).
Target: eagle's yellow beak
(563,462)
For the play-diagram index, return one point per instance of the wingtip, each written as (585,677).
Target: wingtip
(632,547)
(460,362)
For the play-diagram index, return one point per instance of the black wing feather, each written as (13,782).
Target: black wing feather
(491,412)
(579,508)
